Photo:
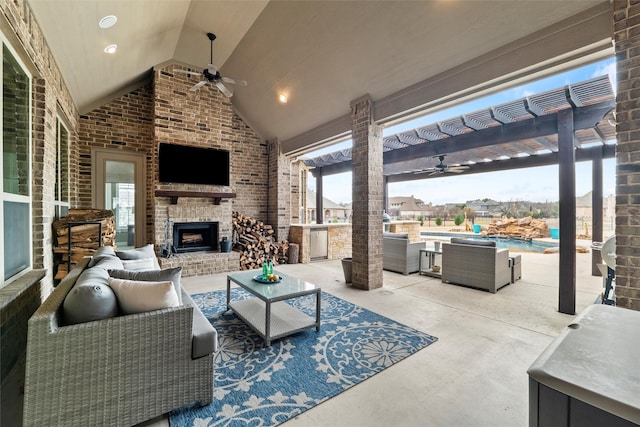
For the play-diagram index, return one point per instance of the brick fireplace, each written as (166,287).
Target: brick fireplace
(195,215)
(205,119)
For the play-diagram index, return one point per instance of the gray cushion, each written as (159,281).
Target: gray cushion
(205,336)
(172,274)
(90,299)
(459,241)
(100,253)
(108,263)
(396,235)
(139,253)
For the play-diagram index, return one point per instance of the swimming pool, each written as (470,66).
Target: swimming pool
(501,242)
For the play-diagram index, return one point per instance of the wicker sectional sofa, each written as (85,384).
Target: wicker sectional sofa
(115,371)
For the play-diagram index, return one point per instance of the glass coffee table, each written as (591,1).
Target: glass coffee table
(268,314)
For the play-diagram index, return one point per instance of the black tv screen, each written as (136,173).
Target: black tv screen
(192,165)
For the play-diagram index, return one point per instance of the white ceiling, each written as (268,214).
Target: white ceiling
(323,54)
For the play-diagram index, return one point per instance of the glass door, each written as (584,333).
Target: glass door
(120,188)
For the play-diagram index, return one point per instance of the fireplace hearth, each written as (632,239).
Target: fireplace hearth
(195,236)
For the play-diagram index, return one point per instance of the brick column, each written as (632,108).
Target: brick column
(367,192)
(626,17)
(279,200)
(298,192)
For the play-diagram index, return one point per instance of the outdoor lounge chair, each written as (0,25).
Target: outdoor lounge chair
(475,263)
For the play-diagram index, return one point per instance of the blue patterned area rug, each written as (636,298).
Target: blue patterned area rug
(256,386)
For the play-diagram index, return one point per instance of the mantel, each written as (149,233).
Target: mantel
(174,194)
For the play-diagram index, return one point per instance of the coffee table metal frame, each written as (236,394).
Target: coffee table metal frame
(268,314)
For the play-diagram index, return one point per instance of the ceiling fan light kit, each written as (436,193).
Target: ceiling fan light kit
(212,75)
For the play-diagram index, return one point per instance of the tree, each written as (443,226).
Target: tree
(458,219)
(438,221)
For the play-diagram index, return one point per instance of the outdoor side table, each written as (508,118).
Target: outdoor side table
(430,255)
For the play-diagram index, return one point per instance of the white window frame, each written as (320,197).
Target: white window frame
(60,123)
(10,197)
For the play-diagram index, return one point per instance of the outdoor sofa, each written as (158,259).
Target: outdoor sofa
(475,263)
(88,364)
(399,254)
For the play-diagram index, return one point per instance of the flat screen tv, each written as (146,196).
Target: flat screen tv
(192,165)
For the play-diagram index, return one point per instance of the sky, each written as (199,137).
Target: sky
(538,184)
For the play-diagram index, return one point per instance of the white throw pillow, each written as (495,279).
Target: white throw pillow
(137,296)
(139,264)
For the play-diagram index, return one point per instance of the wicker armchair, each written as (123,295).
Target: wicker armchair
(118,371)
(399,254)
(482,267)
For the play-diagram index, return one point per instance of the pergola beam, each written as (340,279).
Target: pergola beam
(584,154)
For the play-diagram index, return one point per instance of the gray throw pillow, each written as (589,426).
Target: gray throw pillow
(90,299)
(139,253)
(103,251)
(168,274)
(108,263)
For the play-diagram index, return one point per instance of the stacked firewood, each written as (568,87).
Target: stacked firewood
(256,243)
(85,239)
(523,228)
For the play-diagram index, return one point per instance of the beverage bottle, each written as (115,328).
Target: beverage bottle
(270,268)
(265,270)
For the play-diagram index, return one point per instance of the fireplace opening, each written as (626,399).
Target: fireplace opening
(195,236)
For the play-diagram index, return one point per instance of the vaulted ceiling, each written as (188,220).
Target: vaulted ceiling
(322,54)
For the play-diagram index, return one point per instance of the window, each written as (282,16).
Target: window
(62,170)
(15,167)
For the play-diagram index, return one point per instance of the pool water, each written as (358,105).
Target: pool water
(501,242)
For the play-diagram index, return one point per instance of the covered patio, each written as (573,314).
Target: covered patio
(561,126)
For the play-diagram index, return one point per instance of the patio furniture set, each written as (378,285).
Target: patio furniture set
(474,263)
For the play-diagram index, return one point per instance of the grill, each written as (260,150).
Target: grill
(608,251)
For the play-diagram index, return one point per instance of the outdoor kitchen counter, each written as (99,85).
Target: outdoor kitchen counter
(338,243)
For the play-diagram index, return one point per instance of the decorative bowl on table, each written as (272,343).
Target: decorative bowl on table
(435,268)
(269,280)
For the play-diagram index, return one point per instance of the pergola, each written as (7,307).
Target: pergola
(561,126)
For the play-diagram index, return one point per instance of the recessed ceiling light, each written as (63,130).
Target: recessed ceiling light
(108,21)
(111,48)
(282,98)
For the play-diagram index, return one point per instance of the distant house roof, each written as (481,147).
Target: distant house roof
(483,205)
(405,203)
(326,203)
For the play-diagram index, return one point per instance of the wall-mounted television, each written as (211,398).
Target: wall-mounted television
(192,165)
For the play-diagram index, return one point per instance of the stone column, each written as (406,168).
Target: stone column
(367,193)
(279,190)
(626,20)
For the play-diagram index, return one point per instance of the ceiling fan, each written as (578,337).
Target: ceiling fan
(212,75)
(442,167)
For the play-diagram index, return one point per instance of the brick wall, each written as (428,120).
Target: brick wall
(205,118)
(167,111)
(123,125)
(279,201)
(626,20)
(50,98)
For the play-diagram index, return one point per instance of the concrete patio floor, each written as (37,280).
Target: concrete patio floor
(474,375)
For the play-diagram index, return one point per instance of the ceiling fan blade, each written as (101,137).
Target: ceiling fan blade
(224,89)
(191,73)
(234,81)
(452,170)
(212,68)
(433,173)
(198,85)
